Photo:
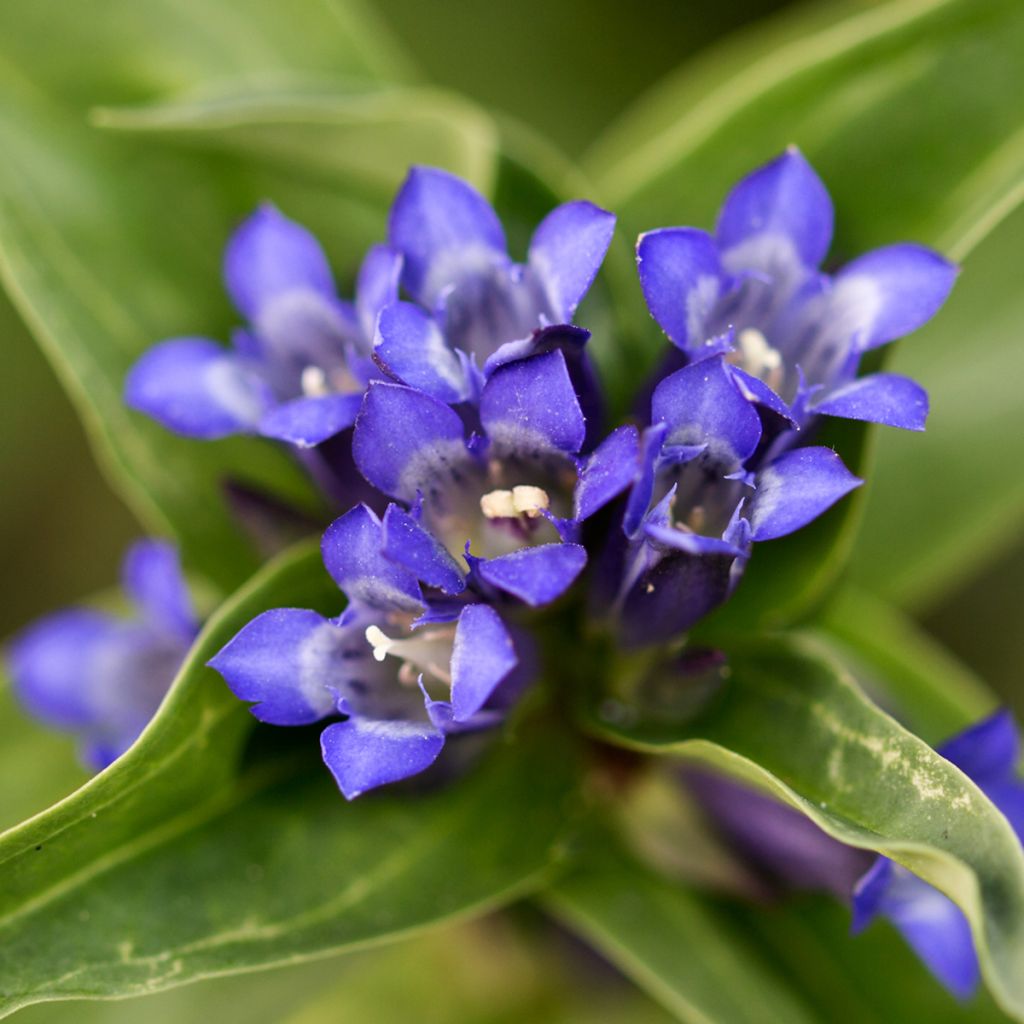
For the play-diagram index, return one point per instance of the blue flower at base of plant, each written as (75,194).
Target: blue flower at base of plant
(298,371)
(703,495)
(933,925)
(101,676)
(475,309)
(754,292)
(378,663)
(497,501)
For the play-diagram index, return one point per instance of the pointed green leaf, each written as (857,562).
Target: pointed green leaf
(787,720)
(186,859)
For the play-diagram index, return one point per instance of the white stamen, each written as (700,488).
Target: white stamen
(426,651)
(522,500)
(314,382)
(757,357)
(379,641)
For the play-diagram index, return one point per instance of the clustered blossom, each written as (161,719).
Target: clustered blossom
(792,851)
(453,415)
(99,675)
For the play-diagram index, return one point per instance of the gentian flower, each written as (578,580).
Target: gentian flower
(754,291)
(378,663)
(705,492)
(499,502)
(475,309)
(298,371)
(102,676)
(933,925)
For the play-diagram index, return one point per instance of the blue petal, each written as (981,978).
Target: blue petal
(194,387)
(643,490)
(567,250)
(285,661)
(987,751)
(795,489)
(407,544)
(690,543)
(890,292)
(681,278)
(701,405)
(376,286)
(405,440)
(778,212)
(151,575)
(531,405)
(443,227)
(608,471)
(56,663)
(1008,796)
(884,398)
(364,753)
(482,656)
(306,422)
(932,924)
(536,575)
(353,550)
(411,346)
(270,255)
(756,390)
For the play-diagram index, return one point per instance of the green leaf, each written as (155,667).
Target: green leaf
(187,859)
(905,669)
(786,720)
(944,505)
(863,92)
(671,942)
(109,242)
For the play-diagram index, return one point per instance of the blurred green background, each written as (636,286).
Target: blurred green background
(567,69)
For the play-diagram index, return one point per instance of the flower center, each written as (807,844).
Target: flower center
(755,356)
(427,652)
(317,382)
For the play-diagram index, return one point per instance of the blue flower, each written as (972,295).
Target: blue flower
(102,676)
(494,504)
(475,309)
(933,924)
(706,489)
(754,291)
(298,371)
(377,665)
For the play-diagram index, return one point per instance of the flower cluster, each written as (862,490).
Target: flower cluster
(458,386)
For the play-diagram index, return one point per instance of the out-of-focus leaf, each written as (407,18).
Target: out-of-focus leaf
(785,719)
(672,943)
(871,96)
(901,666)
(179,863)
(109,242)
(943,505)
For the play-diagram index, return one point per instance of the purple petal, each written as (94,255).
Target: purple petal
(986,751)
(690,543)
(608,471)
(482,657)
(376,286)
(884,398)
(1008,796)
(306,422)
(701,405)
(353,551)
(890,292)
(411,346)
(442,226)
(285,661)
(152,577)
(681,278)
(932,924)
(404,439)
(270,255)
(756,390)
(567,250)
(778,212)
(407,544)
(795,489)
(643,490)
(536,575)
(194,387)
(532,405)
(364,753)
